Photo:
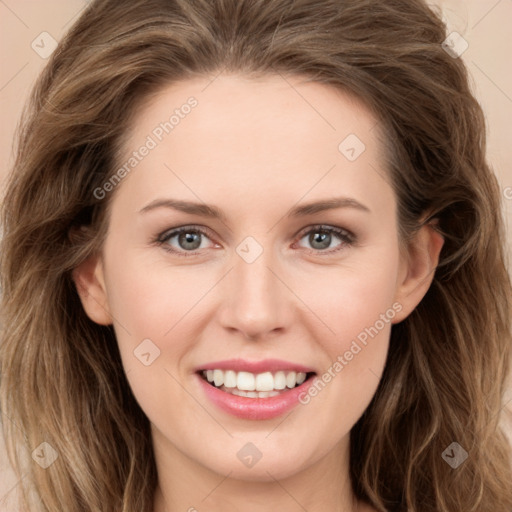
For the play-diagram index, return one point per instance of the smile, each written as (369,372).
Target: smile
(254,390)
(250,385)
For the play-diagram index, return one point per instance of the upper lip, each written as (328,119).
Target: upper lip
(265,365)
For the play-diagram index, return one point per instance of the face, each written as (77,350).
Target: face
(261,290)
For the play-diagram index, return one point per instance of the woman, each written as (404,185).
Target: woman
(253,260)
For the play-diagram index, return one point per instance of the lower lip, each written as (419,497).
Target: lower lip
(255,408)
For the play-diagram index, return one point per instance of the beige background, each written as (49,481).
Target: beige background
(485,24)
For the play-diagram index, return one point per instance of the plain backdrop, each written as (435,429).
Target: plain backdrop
(484,24)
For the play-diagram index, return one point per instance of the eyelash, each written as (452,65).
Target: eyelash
(348,239)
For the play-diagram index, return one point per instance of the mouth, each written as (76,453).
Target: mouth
(254,390)
(255,385)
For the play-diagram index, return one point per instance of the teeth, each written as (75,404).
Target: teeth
(291,380)
(265,381)
(262,385)
(280,380)
(245,381)
(230,379)
(250,394)
(218,377)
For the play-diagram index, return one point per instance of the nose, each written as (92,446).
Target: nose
(255,303)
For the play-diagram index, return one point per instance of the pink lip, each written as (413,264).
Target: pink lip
(266,365)
(254,408)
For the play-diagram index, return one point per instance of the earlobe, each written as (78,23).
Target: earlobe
(418,269)
(90,284)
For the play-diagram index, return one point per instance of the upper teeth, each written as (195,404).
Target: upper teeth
(246,381)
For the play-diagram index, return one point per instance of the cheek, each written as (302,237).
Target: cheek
(150,300)
(156,303)
(351,301)
(153,307)
(357,306)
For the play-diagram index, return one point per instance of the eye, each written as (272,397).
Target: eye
(320,238)
(186,239)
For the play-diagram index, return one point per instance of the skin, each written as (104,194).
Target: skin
(254,148)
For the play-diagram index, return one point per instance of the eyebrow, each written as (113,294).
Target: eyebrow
(206,210)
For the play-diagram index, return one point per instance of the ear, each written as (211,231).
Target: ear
(90,285)
(417,268)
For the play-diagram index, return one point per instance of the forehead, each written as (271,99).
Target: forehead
(252,134)
(234,105)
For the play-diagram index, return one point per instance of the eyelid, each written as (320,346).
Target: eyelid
(162,237)
(326,227)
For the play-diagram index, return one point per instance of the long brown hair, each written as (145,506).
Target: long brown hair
(62,381)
